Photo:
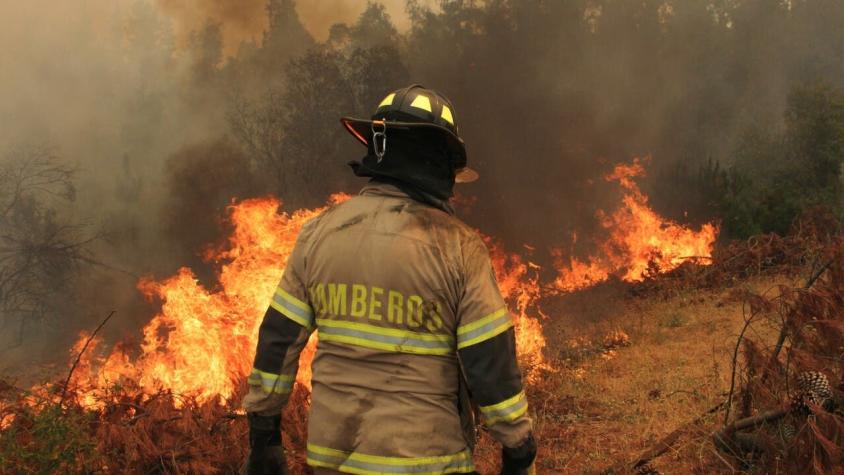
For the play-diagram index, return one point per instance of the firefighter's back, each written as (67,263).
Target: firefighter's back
(383,274)
(397,289)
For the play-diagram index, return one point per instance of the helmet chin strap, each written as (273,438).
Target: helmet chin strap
(379,139)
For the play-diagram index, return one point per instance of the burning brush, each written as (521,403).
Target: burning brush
(151,404)
(640,242)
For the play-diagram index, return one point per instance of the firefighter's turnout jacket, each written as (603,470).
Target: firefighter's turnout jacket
(400,292)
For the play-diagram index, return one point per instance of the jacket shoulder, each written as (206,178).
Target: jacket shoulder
(453,232)
(311,226)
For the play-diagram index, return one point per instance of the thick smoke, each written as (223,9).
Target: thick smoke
(245,21)
(101,84)
(168,109)
(239,20)
(319,16)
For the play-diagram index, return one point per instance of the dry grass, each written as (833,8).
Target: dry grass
(608,403)
(627,371)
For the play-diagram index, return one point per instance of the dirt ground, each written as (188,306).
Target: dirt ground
(627,371)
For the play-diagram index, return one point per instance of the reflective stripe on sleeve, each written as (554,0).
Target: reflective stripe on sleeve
(271,383)
(487,327)
(353,462)
(507,410)
(390,339)
(293,308)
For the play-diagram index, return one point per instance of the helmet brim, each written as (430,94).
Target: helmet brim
(466,175)
(361,129)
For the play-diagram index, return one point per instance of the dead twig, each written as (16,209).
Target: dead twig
(79,356)
(780,340)
(234,415)
(721,457)
(784,330)
(729,403)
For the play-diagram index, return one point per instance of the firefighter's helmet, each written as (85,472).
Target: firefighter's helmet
(410,107)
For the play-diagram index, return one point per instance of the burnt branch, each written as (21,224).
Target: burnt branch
(82,352)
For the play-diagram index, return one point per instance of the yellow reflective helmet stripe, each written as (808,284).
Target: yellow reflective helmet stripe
(507,410)
(446,115)
(364,464)
(422,102)
(293,308)
(483,329)
(271,383)
(388,339)
(387,100)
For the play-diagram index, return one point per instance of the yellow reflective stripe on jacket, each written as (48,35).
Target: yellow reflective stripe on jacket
(271,383)
(353,462)
(487,327)
(380,338)
(293,308)
(507,410)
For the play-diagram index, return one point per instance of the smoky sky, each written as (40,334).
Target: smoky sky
(246,20)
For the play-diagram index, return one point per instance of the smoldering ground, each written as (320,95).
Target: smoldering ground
(166,110)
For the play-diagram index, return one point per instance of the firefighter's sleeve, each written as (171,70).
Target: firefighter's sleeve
(487,348)
(287,324)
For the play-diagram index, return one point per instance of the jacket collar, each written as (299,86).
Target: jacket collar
(393,188)
(375,188)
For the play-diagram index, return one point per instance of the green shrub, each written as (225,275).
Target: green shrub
(775,176)
(46,440)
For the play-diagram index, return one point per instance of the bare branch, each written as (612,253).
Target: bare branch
(82,352)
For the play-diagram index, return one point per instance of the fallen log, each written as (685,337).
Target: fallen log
(728,440)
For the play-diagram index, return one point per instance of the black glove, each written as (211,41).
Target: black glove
(518,460)
(266,456)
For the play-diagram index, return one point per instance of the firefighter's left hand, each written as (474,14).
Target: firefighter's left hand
(266,455)
(519,460)
(266,461)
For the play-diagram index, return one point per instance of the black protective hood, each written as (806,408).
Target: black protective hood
(414,162)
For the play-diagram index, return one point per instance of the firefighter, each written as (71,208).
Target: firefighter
(409,317)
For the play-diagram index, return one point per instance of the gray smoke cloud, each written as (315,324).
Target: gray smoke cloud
(102,85)
(244,21)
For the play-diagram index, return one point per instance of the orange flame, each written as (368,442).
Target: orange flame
(199,342)
(518,282)
(640,241)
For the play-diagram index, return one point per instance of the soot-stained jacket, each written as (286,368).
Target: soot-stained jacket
(401,294)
